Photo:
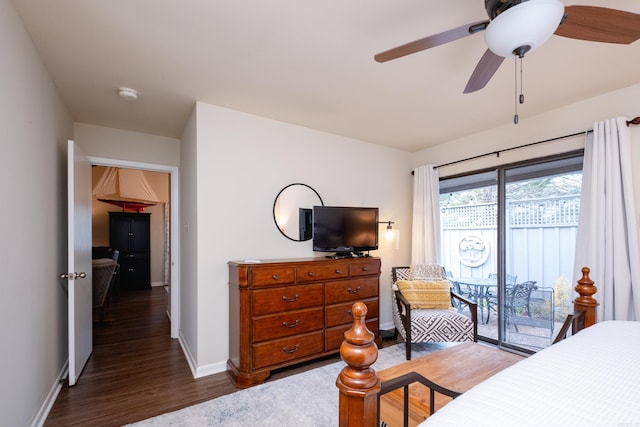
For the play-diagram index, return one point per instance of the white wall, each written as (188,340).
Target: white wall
(110,143)
(35,126)
(188,242)
(243,161)
(567,120)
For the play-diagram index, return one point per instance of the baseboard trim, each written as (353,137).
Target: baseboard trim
(213,368)
(200,371)
(187,354)
(44,410)
(157,284)
(387,326)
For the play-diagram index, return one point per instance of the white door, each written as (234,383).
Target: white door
(79,273)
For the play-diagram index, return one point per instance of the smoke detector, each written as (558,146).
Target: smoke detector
(128,94)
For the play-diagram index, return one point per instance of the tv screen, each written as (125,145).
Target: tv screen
(344,229)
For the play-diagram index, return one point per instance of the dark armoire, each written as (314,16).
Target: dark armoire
(130,234)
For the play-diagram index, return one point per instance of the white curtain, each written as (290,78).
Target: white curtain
(607,239)
(425,241)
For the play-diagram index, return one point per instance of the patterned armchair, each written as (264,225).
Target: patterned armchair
(417,325)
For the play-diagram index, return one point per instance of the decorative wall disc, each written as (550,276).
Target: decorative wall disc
(473,251)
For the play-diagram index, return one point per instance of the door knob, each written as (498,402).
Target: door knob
(73,276)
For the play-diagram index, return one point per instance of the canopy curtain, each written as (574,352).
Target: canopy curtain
(607,239)
(425,239)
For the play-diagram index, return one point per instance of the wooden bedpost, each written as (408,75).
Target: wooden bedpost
(585,302)
(358,383)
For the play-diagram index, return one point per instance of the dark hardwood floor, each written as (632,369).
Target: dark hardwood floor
(137,371)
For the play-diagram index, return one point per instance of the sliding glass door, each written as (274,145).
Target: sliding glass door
(468,221)
(508,239)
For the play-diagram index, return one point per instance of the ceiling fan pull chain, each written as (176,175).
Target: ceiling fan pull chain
(515,84)
(518,98)
(521,99)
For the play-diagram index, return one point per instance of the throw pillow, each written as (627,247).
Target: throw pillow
(432,294)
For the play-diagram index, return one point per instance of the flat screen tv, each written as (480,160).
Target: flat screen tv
(347,231)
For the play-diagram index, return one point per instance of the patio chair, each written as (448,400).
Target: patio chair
(532,307)
(423,308)
(518,302)
(491,299)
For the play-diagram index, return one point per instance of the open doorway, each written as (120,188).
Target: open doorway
(109,219)
(164,227)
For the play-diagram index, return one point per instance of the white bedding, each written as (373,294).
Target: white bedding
(589,379)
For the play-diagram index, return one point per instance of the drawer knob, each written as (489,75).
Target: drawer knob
(338,271)
(291,325)
(291,350)
(365,268)
(294,299)
(353,291)
(311,273)
(274,277)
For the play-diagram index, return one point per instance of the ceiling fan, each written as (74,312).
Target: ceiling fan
(516,27)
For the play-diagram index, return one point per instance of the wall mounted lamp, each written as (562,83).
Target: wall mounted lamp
(389,235)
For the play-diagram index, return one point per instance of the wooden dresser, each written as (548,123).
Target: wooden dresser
(283,312)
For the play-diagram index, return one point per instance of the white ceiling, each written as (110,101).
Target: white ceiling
(307,63)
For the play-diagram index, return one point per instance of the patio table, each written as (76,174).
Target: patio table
(477,289)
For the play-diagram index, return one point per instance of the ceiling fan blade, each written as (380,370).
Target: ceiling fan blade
(599,24)
(431,41)
(486,68)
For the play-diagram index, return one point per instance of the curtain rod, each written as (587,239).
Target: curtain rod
(635,121)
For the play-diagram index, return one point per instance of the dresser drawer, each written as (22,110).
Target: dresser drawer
(284,312)
(309,273)
(284,325)
(277,300)
(272,276)
(287,349)
(138,255)
(351,290)
(340,314)
(364,268)
(333,337)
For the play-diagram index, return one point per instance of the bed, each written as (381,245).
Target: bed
(589,379)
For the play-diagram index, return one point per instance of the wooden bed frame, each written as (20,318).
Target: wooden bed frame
(359,384)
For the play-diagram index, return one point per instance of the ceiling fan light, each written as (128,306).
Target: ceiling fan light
(529,23)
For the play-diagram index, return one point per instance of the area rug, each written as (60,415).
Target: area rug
(308,399)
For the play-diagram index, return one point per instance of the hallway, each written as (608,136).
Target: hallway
(136,370)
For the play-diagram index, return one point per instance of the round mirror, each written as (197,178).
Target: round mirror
(293,211)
